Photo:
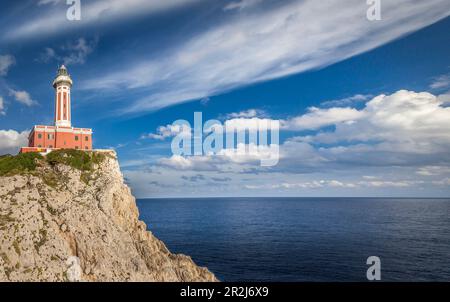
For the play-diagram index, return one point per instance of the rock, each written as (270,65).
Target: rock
(50,231)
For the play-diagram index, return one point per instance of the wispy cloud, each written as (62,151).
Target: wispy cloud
(164,132)
(441,82)
(320,184)
(6,61)
(74,52)
(249,113)
(45,2)
(47,55)
(78,51)
(318,118)
(292,38)
(348,101)
(52,19)
(22,97)
(241,4)
(2,106)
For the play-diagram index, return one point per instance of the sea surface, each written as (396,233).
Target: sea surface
(307,239)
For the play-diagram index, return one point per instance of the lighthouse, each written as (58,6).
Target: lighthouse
(62,85)
(61,135)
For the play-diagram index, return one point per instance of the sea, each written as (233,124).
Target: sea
(307,239)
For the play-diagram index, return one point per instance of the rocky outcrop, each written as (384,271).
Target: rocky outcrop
(60,223)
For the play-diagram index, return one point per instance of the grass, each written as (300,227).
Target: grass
(81,160)
(19,164)
(27,162)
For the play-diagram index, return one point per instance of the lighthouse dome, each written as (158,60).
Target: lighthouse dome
(62,77)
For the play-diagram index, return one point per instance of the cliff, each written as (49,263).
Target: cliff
(69,216)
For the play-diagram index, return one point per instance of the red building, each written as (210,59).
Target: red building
(62,135)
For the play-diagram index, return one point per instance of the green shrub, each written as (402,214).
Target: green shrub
(21,163)
(27,162)
(81,160)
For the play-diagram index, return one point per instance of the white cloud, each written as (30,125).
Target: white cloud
(433,170)
(405,128)
(251,124)
(74,52)
(45,2)
(442,182)
(2,106)
(404,121)
(238,122)
(242,158)
(241,4)
(398,143)
(249,153)
(197,163)
(22,97)
(78,51)
(313,34)
(319,184)
(317,118)
(315,184)
(387,184)
(349,101)
(246,114)
(53,20)
(164,132)
(444,98)
(47,55)
(6,61)
(11,141)
(440,82)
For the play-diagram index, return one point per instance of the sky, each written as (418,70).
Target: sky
(363,104)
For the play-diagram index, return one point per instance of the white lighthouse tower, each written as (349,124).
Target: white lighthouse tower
(62,85)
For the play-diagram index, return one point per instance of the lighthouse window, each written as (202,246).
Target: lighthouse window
(50,136)
(39,135)
(76,137)
(86,138)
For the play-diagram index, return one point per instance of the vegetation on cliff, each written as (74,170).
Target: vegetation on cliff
(28,162)
(72,207)
(19,164)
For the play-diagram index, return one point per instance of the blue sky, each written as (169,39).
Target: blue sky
(363,104)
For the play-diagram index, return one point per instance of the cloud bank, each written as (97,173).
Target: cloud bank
(402,139)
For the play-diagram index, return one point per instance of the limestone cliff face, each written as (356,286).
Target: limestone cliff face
(58,212)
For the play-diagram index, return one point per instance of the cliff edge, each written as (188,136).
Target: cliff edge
(69,215)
